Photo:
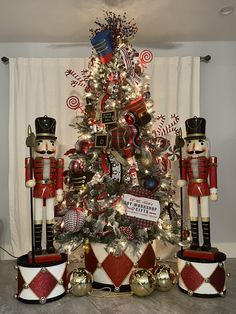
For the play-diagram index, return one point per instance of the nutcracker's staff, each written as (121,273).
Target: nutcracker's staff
(179,143)
(30,142)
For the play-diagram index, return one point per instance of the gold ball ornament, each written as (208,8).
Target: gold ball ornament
(86,246)
(165,277)
(167,226)
(146,158)
(142,282)
(80,282)
(146,161)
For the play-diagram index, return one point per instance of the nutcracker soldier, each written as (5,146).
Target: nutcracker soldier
(46,179)
(201,268)
(199,169)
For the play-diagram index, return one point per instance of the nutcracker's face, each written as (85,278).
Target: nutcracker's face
(197,148)
(45,148)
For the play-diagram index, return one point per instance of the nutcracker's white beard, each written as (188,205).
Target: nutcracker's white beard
(46,168)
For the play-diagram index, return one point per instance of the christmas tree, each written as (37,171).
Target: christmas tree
(120,189)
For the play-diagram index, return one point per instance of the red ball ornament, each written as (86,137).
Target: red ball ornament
(185,233)
(162,143)
(130,118)
(77,165)
(74,220)
(83,146)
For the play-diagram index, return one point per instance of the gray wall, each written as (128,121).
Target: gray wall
(218,94)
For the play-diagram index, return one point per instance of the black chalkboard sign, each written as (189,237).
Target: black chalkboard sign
(101,140)
(108,117)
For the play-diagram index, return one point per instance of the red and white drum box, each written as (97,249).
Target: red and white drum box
(202,277)
(42,282)
(114,271)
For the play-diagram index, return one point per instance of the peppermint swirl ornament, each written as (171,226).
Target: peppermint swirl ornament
(145,56)
(73,102)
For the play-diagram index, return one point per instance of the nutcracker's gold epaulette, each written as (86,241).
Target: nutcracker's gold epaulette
(213,161)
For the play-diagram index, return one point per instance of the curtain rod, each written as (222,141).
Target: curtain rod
(205,59)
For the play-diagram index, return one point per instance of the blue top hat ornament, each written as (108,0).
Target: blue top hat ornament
(102,42)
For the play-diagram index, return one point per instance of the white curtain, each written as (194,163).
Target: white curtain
(39,87)
(175,86)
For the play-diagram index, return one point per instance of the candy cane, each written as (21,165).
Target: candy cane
(86,74)
(171,126)
(162,119)
(79,81)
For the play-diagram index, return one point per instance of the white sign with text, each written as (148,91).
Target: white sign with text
(142,207)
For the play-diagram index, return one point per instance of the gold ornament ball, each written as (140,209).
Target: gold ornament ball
(165,277)
(80,282)
(167,226)
(86,246)
(146,162)
(142,282)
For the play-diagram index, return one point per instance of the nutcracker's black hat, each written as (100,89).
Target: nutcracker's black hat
(195,128)
(45,128)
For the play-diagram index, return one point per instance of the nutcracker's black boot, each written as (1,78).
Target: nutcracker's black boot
(37,239)
(206,236)
(50,236)
(195,233)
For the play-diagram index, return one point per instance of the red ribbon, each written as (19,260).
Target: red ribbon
(133,134)
(104,163)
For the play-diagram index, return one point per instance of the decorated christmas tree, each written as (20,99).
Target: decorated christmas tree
(119,181)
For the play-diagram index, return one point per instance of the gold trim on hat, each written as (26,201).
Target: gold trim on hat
(196,134)
(45,134)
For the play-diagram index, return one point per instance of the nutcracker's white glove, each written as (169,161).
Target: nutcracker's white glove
(30,183)
(181,183)
(213,194)
(59,194)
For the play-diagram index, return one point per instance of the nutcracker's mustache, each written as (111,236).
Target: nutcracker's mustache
(197,152)
(42,152)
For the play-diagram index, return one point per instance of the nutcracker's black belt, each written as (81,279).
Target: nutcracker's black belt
(197,180)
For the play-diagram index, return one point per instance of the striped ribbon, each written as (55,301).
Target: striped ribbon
(129,66)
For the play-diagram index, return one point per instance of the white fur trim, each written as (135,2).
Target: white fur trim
(213,190)
(30,183)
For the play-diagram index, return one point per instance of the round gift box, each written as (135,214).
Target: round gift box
(41,282)
(114,271)
(202,277)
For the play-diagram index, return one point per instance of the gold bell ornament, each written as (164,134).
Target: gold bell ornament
(80,282)
(142,282)
(165,277)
